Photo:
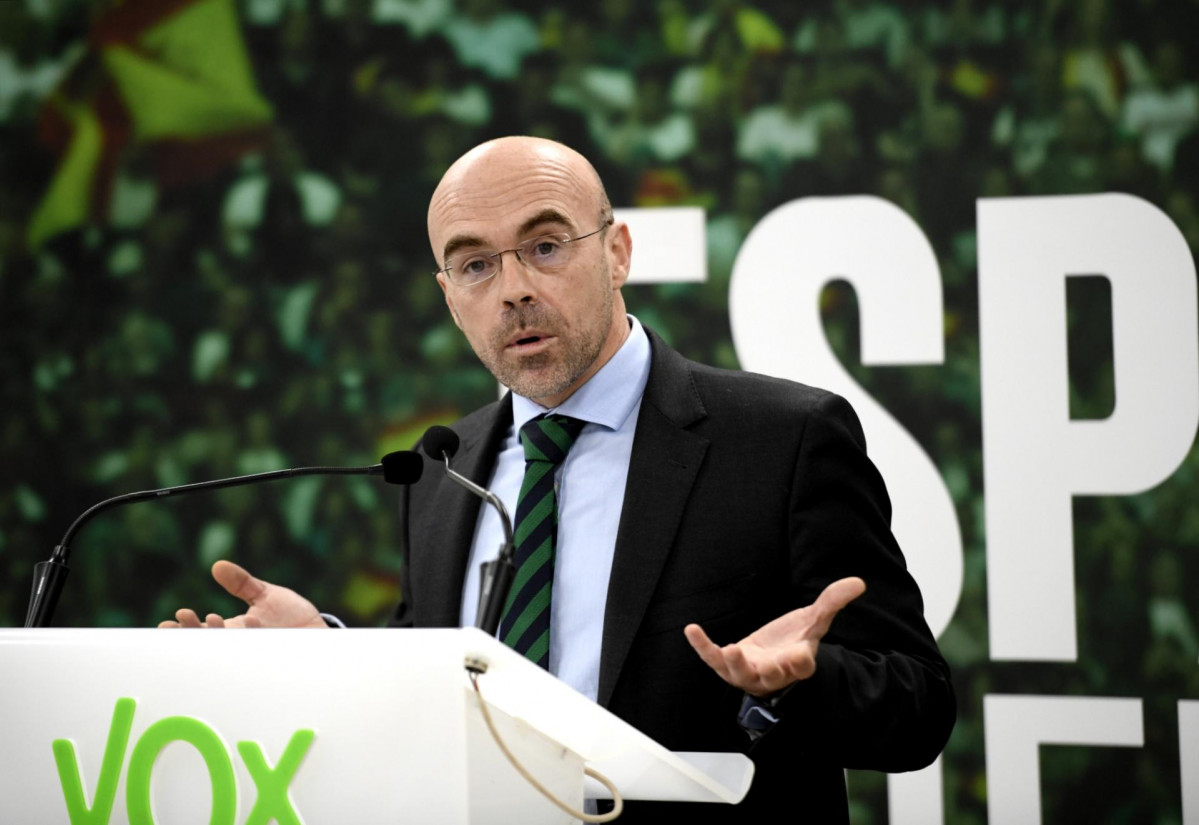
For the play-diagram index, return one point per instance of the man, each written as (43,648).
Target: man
(693,504)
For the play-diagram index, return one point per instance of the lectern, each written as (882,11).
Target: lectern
(301,726)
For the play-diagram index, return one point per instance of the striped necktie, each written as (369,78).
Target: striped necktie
(525,625)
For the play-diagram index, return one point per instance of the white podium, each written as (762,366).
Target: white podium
(300,726)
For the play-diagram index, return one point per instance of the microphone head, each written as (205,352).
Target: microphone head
(438,442)
(402,467)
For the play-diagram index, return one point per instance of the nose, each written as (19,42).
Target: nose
(516,282)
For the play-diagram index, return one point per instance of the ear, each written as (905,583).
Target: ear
(619,249)
(449,302)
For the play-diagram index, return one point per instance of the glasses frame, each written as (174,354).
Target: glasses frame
(499,253)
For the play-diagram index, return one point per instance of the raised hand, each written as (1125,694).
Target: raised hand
(269,605)
(781,652)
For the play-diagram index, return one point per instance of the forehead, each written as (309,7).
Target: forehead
(496,199)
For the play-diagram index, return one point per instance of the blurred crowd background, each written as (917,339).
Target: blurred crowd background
(214,263)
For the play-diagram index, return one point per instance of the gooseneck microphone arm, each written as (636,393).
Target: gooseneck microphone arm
(488,496)
(49,576)
(495,581)
(237,481)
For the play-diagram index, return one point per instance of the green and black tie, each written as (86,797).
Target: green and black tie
(525,625)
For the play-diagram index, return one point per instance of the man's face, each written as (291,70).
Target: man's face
(541,334)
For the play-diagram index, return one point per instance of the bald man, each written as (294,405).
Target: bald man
(724,575)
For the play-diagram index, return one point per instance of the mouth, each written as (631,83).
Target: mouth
(528,341)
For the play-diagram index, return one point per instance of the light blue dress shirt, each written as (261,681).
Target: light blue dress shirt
(591,485)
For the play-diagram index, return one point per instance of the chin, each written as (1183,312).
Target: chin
(539,386)
(538,389)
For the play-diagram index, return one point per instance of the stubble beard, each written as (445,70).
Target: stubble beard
(547,374)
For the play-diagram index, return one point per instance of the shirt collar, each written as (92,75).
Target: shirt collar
(610,395)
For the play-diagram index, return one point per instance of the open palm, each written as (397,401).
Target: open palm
(781,652)
(269,605)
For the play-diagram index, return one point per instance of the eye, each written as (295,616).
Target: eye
(474,267)
(544,250)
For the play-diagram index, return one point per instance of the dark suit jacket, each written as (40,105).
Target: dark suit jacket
(746,496)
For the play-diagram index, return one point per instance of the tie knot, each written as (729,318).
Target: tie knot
(549,437)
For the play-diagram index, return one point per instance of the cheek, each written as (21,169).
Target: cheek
(469,323)
(589,294)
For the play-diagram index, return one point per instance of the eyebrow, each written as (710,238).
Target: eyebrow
(543,217)
(540,219)
(460,242)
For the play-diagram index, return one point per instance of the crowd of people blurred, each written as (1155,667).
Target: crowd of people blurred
(280,311)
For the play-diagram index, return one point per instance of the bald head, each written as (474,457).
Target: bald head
(489,174)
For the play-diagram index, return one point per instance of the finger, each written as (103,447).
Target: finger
(168,624)
(706,648)
(238,581)
(794,665)
(187,617)
(213,620)
(251,621)
(840,593)
(834,598)
(830,602)
(740,671)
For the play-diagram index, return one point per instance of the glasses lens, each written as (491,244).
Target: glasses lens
(545,252)
(473,267)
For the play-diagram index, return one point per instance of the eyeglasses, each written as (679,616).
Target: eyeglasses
(545,253)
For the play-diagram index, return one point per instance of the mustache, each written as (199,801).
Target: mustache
(524,316)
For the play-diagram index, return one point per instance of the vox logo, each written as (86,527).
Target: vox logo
(271,784)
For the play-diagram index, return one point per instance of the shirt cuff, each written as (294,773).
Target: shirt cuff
(759,715)
(755,718)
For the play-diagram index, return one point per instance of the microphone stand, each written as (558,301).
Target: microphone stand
(49,576)
(496,575)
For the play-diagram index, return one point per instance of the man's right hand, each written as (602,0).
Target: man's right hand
(268,604)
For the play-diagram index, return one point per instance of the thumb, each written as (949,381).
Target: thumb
(840,593)
(833,598)
(238,581)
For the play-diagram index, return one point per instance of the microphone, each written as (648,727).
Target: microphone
(441,444)
(400,467)
(48,576)
(438,441)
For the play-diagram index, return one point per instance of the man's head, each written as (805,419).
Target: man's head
(542,333)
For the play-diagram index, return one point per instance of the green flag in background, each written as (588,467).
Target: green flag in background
(175,76)
(188,76)
(67,201)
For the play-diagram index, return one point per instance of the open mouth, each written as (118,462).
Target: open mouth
(529,340)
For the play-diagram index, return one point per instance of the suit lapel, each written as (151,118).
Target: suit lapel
(452,529)
(665,461)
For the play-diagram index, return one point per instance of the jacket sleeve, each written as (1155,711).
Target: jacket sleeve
(881,697)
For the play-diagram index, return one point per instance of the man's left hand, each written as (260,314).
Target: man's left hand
(781,652)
